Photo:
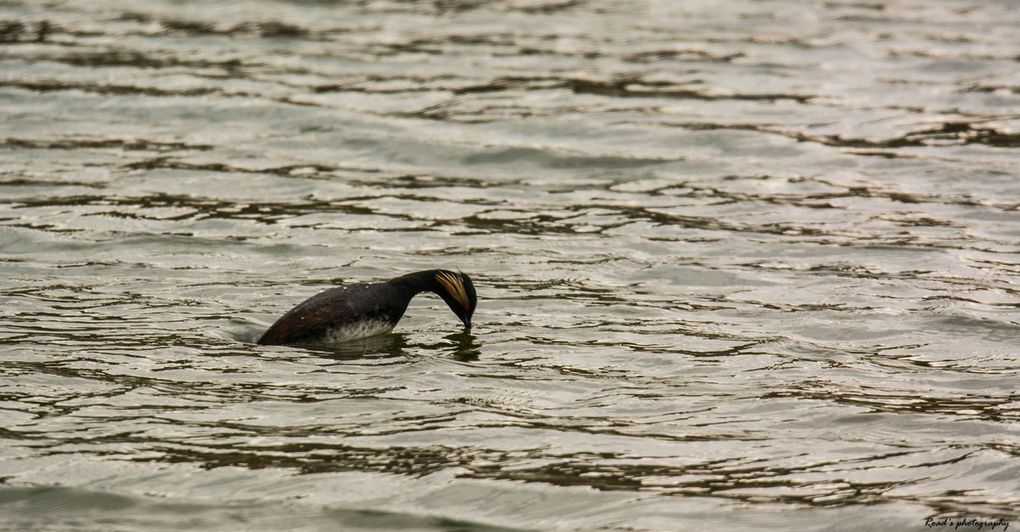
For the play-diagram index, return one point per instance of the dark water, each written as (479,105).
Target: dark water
(747,265)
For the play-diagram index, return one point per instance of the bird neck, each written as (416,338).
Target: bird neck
(417,282)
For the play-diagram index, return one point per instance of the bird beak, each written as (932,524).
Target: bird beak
(467,322)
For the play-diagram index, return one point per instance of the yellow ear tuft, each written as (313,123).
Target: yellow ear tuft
(454,284)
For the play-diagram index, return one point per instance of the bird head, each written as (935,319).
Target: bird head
(459,293)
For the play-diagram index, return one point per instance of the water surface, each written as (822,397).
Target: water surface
(753,265)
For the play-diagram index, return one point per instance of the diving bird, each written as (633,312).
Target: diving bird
(367,309)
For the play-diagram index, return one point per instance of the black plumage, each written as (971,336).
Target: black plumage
(366,309)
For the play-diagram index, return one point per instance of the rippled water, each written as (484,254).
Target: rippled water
(749,265)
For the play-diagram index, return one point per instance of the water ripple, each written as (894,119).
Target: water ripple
(744,260)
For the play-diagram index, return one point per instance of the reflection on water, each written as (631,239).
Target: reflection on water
(463,346)
(741,262)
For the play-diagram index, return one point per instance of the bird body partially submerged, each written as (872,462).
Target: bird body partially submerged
(361,310)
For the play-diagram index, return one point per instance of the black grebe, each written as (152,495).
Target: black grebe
(366,309)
